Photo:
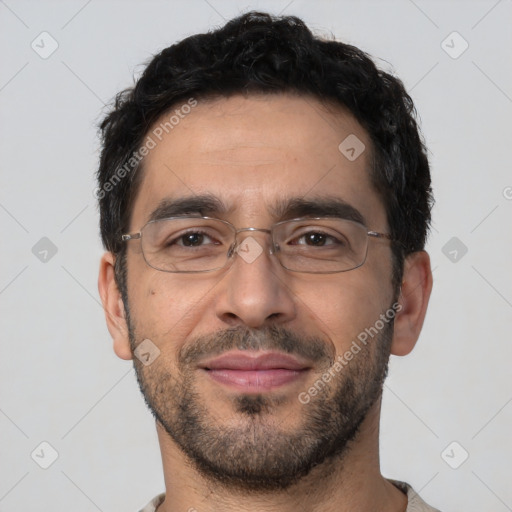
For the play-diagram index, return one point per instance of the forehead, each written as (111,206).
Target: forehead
(255,154)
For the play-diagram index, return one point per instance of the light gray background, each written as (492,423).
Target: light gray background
(60,380)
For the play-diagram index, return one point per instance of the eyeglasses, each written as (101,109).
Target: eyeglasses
(320,245)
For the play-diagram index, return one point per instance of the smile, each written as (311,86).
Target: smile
(255,372)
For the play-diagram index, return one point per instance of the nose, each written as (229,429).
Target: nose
(256,290)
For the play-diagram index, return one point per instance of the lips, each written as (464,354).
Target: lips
(255,361)
(255,371)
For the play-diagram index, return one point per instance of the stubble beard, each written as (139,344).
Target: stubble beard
(256,453)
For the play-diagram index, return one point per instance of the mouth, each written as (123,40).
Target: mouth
(255,371)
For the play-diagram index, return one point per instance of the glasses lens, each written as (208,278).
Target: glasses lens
(321,245)
(306,245)
(186,245)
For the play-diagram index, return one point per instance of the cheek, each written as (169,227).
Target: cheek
(343,306)
(165,307)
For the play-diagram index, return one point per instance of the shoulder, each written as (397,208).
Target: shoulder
(415,503)
(154,503)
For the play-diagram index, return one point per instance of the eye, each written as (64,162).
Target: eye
(192,239)
(315,239)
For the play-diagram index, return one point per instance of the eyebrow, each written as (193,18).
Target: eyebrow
(205,205)
(208,205)
(325,206)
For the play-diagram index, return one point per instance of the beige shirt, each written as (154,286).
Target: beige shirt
(415,503)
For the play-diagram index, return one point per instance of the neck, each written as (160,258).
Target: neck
(342,485)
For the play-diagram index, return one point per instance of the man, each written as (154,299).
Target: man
(265,200)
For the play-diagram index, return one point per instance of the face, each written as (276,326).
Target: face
(239,384)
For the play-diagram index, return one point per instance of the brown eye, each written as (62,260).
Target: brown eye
(192,239)
(315,239)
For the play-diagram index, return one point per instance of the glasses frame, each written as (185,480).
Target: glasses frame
(274,247)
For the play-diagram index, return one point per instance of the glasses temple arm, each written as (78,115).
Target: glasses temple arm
(133,236)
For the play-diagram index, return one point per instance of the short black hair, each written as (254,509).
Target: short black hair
(261,53)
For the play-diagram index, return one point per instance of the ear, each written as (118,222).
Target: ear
(114,307)
(413,299)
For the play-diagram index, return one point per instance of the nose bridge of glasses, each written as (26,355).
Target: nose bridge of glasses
(252,230)
(247,233)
